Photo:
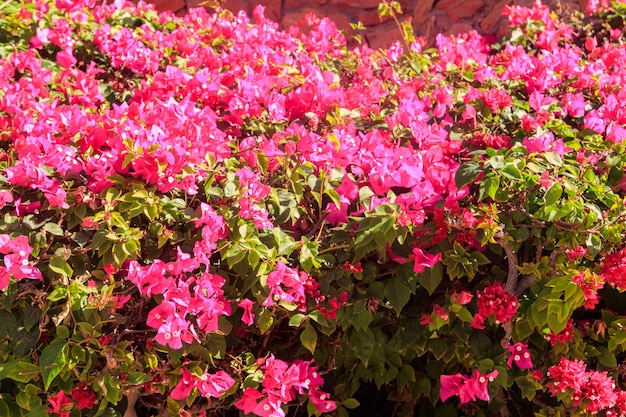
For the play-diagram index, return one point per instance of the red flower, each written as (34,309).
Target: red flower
(495,300)
(84,396)
(461,298)
(61,404)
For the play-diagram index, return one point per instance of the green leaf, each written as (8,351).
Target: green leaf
(363,343)
(58,265)
(308,337)
(296,319)
(397,294)
(553,158)
(594,245)
(431,278)
(489,187)
(558,314)
(265,320)
(52,361)
(54,229)
(512,172)
(137,378)
(59,293)
(606,358)
(63,332)
(553,194)
(112,387)
(350,403)
(466,174)
(18,371)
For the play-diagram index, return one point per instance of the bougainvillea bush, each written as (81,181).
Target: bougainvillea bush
(208,216)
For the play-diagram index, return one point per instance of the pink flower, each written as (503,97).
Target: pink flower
(520,355)
(451,385)
(423,260)
(214,385)
(479,384)
(248,401)
(321,401)
(185,385)
(65,58)
(248,315)
(160,314)
(468,389)
(267,408)
(173,333)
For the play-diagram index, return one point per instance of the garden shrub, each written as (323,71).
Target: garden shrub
(208,216)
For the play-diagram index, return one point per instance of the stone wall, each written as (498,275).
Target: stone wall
(429,17)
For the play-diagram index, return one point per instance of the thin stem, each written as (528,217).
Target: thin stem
(332,248)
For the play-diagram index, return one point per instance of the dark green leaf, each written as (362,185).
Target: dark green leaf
(308,337)
(52,361)
(363,343)
(466,174)
(54,229)
(431,278)
(397,294)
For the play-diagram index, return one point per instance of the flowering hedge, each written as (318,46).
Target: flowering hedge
(207,216)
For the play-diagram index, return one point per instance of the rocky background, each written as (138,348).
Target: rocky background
(429,17)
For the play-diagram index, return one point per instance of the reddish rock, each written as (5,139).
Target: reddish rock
(294,18)
(504,31)
(173,5)
(297,19)
(356,4)
(490,23)
(421,11)
(297,3)
(382,38)
(371,18)
(192,4)
(458,28)
(343,23)
(273,8)
(460,9)
(236,5)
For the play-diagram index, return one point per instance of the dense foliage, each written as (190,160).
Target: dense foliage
(205,216)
